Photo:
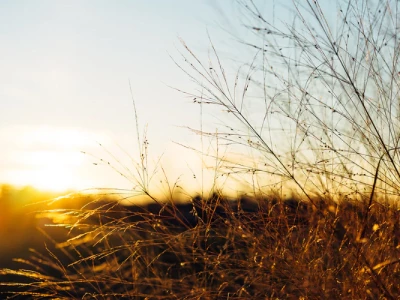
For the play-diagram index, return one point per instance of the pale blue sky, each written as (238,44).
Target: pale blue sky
(68,60)
(64,74)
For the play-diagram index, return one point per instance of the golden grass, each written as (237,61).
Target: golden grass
(249,248)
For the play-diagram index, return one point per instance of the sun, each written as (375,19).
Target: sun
(58,159)
(49,159)
(54,171)
(51,179)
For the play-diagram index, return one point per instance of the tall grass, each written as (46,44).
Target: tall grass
(318,103)
(318,110)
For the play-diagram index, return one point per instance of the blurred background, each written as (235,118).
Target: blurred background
(64,87)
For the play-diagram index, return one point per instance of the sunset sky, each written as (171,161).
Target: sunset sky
(64,86)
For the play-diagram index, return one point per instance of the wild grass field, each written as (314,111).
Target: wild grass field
(310,126)
(210,248)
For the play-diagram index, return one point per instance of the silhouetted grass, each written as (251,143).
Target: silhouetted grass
(220,248)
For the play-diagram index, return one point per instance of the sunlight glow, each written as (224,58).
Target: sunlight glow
(47,179)
(47,158)
(57,159)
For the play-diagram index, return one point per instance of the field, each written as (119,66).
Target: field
(304,198)
(210,248)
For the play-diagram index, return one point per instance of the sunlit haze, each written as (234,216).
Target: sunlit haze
(66,112)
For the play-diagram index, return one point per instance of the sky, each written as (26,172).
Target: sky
(67,71)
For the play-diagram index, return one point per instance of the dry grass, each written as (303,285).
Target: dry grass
(215,248)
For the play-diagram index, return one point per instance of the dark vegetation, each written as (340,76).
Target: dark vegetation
(315,112)
(215,248)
